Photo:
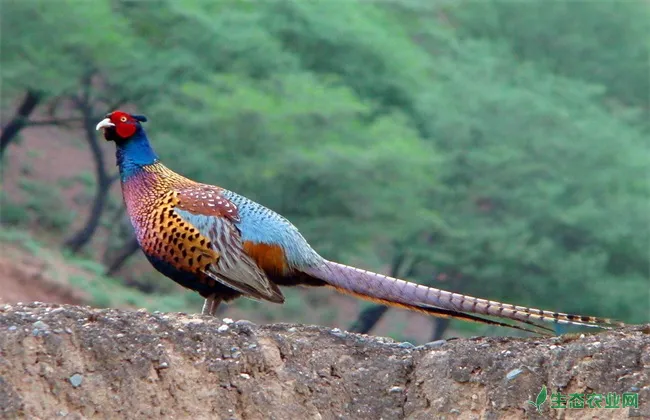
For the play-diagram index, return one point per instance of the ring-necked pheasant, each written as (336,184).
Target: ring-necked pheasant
(223,245)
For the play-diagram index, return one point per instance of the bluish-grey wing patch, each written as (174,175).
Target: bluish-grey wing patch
(260,224)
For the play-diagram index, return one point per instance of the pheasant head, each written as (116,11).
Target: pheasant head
(133,148)
(119,126)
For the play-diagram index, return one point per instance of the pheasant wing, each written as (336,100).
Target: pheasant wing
(208,211)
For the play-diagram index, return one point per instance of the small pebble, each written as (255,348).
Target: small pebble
(634,389)
(252,346)
(513,374)
(406,345)
(338,333)
(13,328)
(435,344)
(76,380)
(40,325)
(163,365)
(292,330)
(40,328)
(245,375)
(228,321)
(395,389)
(223,328)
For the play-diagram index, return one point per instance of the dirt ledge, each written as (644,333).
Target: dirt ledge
(60,361)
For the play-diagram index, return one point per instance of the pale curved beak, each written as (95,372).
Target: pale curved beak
(105,123)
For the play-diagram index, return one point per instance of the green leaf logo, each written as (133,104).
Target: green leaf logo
(541,398)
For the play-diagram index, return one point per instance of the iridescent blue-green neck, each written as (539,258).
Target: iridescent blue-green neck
(133,154)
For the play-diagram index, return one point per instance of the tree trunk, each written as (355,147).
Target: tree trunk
(440,325)
(19,121)
(368,318)
(104,181)
(129,248)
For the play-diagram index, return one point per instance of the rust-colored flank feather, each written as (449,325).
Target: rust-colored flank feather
(270,258)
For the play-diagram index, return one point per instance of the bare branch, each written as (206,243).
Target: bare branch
(9,132)
(60,121)
(113,178)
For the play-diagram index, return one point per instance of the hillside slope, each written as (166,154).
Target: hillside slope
(24,278)
(87,363)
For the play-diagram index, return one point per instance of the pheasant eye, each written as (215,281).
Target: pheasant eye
(123,119)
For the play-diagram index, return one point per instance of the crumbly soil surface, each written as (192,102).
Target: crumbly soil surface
(64,361)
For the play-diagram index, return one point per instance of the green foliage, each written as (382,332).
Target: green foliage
(47,54)
(597,41)
(205,37)
(23,238)
(345,39)
(11,213)
(45,206)
(536,172)
(51,58)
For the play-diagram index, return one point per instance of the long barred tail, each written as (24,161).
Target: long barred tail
(396,292)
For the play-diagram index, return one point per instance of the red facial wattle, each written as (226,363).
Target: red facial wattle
(125,129)
(125,126)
